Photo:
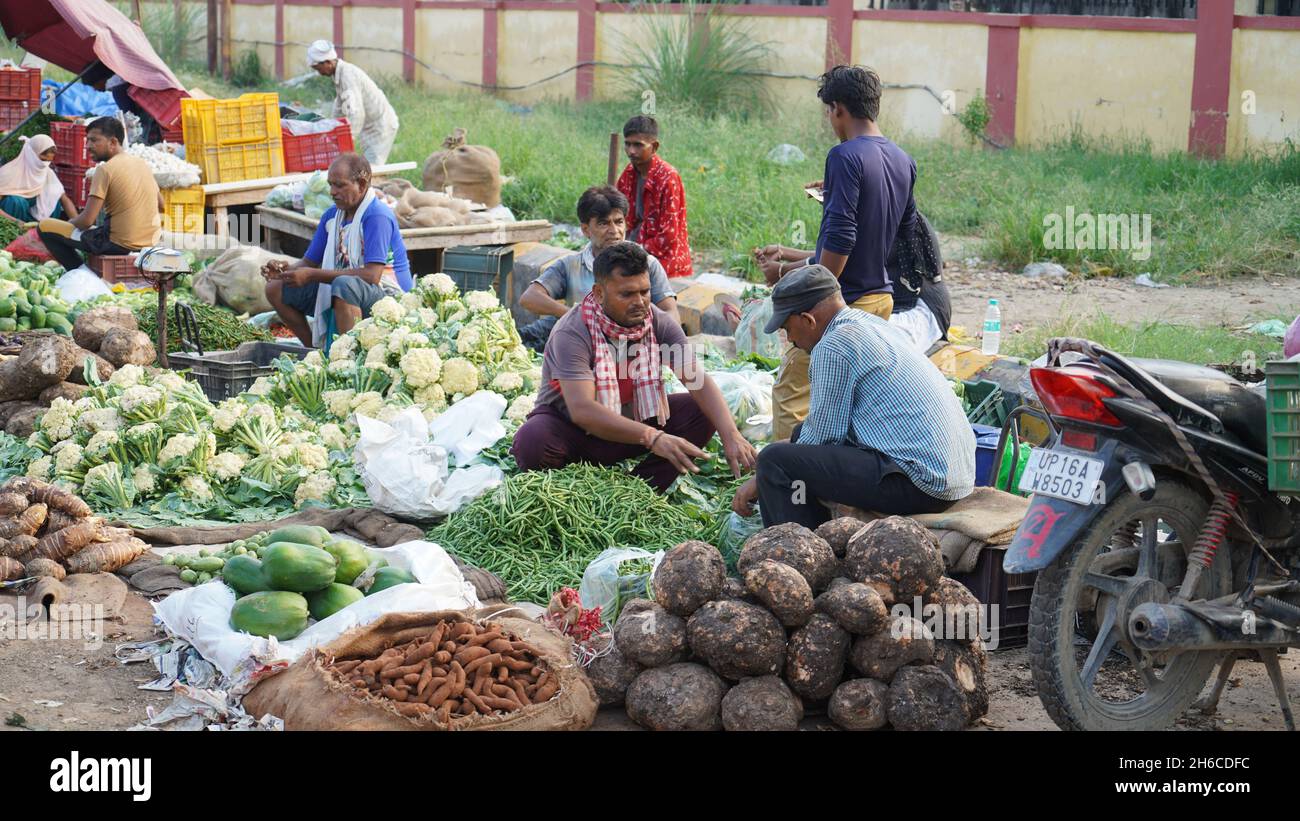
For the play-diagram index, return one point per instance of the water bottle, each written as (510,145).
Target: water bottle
(992,329)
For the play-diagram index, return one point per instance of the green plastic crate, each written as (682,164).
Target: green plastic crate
(1282,383)
(480,268)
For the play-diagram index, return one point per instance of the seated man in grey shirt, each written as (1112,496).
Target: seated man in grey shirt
(602,213)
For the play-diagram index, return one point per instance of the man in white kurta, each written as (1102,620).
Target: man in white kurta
(356,97)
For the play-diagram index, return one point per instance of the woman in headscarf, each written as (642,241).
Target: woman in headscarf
(29,188)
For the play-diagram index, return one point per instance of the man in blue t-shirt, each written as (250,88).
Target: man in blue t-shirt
(360,268)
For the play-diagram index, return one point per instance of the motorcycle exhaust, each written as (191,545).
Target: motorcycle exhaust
(1158,628)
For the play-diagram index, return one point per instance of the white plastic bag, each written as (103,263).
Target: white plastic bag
(748,393)
(81,284)
(201,615)
(411,477)
(749,333)
(469,426)
(605,587)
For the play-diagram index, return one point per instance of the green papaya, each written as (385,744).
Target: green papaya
(299,534)
(324,603)
(38,316)
(24,324)
(352,559)
(7,307)
(386,577)
(207,564)
(8,324)
(244,574)
(297,567)
(59,324)
(270,613)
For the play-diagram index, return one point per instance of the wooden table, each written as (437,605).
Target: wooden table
(281,221)
(219,196)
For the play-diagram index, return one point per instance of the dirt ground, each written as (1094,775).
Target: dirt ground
(86,688)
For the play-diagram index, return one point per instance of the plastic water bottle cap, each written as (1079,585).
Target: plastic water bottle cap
(993,302)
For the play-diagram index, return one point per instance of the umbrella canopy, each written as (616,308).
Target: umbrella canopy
(74,34)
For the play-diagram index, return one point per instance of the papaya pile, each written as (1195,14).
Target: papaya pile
(285,577)
(29,299)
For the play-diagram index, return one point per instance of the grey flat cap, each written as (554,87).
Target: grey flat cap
(798,291)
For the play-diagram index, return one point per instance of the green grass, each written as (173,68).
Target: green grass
(1209,219)
(1155,340)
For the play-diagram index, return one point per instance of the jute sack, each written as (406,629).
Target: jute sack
(308,697)
(472,171)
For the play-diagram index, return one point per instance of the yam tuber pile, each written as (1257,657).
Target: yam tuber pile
(48,531)
(813,623)
(459,669)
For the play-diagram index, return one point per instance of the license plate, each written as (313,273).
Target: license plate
(1062,475)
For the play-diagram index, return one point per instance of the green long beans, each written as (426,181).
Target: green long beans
(541,529)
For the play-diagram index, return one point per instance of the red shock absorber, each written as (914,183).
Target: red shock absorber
(1214,529)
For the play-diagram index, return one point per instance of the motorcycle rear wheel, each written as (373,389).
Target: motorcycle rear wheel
(1079,603)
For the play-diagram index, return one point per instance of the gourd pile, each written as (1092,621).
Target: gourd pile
(46,531)
(460,669)
(291,574)
(28,299)
(811,624)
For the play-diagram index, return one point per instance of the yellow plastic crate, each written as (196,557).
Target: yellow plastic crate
(232,163)
(249,118)
(183,210)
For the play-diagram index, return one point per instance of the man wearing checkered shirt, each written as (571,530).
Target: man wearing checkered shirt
(884,430)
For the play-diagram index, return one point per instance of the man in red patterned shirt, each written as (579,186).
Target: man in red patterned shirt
(657,216)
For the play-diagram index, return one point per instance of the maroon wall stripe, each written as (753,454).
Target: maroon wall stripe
(1207,135)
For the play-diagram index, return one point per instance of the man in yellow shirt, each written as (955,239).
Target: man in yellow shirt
(123,191)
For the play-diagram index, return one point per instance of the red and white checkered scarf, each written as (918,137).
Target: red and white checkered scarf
(650,399)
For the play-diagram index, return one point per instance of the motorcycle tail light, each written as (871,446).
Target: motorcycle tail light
(1079,440)
(1074,393)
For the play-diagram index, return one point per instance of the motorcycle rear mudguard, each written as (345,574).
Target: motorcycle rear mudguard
(1051,525)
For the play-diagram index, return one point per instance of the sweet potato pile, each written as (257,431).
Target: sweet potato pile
(47,531)
(459,669)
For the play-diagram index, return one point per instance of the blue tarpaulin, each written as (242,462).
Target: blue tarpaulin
(79,100)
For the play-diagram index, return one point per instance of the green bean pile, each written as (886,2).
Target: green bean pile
(541,529)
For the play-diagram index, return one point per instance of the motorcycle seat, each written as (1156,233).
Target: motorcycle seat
(1241,410)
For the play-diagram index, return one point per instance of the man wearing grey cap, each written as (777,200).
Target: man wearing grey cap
(884,431)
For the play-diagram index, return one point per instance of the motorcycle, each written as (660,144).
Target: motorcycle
(1159,548)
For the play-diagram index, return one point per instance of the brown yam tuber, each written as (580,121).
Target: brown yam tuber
(64,390)
(898,552)
(66,542)
(25,523)
(815,657)
(651,636)
(123,347)
(859,704)
(837,533)
(793,545)
(737,639)
(37,568)
(611,673)
(905,641)
(56,521)
(10,569)
(689,575)
(761,704)
(91,327)
(106,557)
(781,589)
(45,360)
(676,697)
(103,368)
(856,607)
(925,698)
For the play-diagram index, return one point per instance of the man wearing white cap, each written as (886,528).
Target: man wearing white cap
(356,97)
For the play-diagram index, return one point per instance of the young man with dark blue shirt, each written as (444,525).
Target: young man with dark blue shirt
(867,198)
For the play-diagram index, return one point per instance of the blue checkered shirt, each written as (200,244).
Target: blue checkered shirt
(871,388)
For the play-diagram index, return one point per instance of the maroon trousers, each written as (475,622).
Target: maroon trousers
(548,440)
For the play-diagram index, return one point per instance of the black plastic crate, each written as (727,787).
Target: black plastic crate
(480,268)
(1008,592)
(223,374)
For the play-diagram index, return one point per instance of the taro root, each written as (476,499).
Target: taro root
(611,673)
(677,697)
(856,607)
(925,698)
(737,639)
(904,641)
(896,552)
(837,533)
(759,704)
(783,590)
(651,636)
(37,568)
(815,657)
(796,546)
(689,575)
(965,663)
(859,704)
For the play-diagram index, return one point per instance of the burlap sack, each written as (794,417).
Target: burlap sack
(235,280)
(472,171)
(309,698)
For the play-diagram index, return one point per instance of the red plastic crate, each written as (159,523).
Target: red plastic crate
(315,152)
(75,183)
(21,85)
(70,145)
(118,270)
(13,113)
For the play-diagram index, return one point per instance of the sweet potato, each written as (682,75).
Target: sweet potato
(126,347)
(10,569)
(91,327)
(689,575)
(469,654)
(11,504)
(65,543)
(25,524)
(38,568)
(105,557)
